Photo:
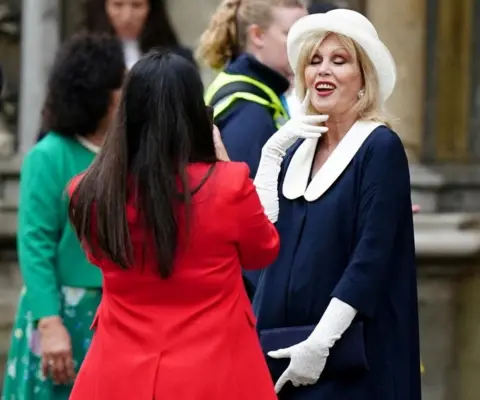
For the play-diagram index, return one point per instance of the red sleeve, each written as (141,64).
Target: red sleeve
(258,239)
(72,185)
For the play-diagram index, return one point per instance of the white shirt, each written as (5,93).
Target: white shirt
(131,52)
(293,104)
(88,145)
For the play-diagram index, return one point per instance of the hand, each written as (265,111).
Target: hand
(303,126)
(416,209)
(56,350)
(307,361)
(220,149)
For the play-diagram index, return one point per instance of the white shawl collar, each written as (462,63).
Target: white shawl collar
(296,184)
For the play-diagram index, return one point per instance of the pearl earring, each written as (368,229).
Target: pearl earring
(361,93)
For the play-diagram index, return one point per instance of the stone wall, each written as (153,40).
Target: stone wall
(10,62)
(10,283)
(10,280)
(448,253)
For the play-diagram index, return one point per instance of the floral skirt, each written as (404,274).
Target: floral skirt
(23,376)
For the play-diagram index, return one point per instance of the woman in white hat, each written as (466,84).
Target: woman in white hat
(337,312)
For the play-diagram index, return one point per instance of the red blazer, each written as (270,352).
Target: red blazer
(192,336)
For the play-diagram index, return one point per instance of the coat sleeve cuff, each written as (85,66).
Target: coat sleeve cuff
(356,295)
(40,307)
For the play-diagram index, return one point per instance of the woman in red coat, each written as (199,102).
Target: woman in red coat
(170,226)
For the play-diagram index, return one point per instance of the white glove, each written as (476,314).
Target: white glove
(266,180)
(308,358)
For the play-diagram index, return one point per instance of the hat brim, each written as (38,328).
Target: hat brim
(378,53)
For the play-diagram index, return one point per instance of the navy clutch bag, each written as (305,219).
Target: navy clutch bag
(346,357)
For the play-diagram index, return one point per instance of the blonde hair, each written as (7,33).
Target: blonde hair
(226,35)
(368,106)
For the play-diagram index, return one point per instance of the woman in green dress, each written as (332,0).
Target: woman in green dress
(62,290)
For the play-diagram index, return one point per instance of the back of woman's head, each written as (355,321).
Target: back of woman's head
(164,111)
(161,126)
(226,36)
(87,69)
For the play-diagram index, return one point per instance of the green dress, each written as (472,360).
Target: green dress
(58,279)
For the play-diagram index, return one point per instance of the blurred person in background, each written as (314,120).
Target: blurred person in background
(61,288)
(170,226)
(246,40)
(140,24)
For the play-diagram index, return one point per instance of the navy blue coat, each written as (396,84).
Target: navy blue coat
(247,126)
(352,239)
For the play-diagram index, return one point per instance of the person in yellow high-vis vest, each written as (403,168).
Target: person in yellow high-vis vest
(246,41)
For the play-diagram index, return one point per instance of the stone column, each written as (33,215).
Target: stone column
(40,41)
(436,299)
(401,26)
(468,338)
(448,250)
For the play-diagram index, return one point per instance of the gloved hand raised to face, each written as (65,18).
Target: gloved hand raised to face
(302,126)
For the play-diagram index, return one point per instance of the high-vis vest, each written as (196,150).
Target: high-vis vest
(226,89)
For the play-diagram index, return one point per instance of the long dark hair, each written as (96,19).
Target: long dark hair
(161,126)
(158,30)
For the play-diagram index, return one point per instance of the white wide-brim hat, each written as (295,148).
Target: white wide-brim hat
(355,26)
